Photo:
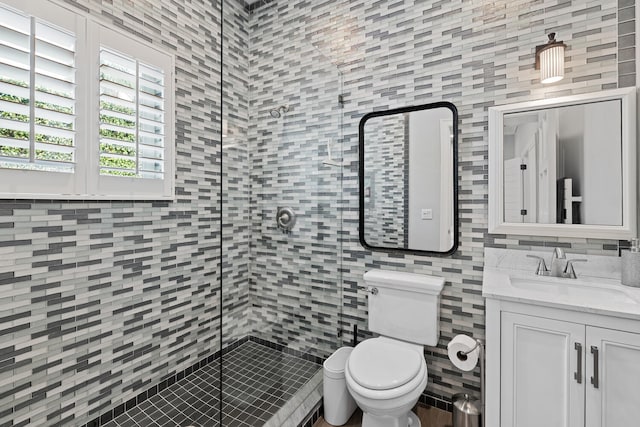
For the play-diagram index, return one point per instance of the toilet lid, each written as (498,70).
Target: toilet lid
(381,365)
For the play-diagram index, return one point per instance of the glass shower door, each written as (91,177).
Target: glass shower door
(281,288)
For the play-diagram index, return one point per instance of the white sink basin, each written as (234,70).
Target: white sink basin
(591,294)
(573,289)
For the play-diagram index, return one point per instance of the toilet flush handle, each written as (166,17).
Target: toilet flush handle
(371,290)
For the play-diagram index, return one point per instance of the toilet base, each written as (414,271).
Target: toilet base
(407,420)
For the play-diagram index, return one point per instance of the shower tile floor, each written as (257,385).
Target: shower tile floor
(258,381)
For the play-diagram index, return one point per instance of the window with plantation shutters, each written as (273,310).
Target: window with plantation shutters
(86,111)
(131,117)
(37,94)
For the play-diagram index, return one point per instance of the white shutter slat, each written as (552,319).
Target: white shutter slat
(14,39)
(51,114)
(152,102)
(13,107)
(22,126)
(54,86)
(15,21)
(14,76)
(56,70)
(55,53)
(15,57)
(55,36)
(151,140)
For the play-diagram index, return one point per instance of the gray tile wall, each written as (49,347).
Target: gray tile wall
(396,53)
(236,234)
(101,300)
(294,277)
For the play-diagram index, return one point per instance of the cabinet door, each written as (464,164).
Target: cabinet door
(613,378)
(539,384)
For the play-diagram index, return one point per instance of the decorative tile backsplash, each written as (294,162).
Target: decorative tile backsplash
(100,300)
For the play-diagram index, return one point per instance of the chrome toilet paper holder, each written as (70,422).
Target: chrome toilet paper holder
(463,356)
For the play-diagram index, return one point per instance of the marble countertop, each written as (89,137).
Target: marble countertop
(509,275)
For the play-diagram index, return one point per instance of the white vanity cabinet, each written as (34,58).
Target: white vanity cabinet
(561,368)
(616,373)
(538,364)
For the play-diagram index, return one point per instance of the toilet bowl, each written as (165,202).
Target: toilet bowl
(386,377)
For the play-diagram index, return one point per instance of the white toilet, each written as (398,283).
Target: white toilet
(387,375)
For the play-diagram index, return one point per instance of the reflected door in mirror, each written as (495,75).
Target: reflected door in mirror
(563,165)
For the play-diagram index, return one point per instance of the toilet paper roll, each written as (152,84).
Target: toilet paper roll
(463,343)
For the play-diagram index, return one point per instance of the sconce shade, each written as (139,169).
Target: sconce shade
(550,60)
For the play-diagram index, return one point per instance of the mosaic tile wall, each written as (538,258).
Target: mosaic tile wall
(385,155)
(102,300)
(406,52)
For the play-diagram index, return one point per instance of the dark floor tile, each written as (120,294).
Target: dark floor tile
(257,381)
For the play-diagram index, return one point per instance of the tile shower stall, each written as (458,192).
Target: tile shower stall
(200,310)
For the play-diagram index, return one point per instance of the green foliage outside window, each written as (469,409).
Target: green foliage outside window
(54,139)
(51,155)
(23,153)
(14,152)
(112,162)
(117,121)
(120,136)
(117,149)
(117,108)
(15,134)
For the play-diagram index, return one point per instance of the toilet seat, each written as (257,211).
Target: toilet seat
(417,384)
(382,364)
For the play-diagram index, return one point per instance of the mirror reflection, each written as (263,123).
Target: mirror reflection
(563,165)
(408,180)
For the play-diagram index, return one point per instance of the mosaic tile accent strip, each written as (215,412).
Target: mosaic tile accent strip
(393,54)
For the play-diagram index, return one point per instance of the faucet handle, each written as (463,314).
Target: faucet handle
(568,269)
(541,269)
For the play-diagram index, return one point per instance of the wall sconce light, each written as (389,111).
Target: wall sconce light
(550,60)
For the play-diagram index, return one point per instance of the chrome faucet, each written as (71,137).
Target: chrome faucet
(558,258)
(560,266)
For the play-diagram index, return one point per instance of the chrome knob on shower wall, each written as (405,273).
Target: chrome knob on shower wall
(285,218)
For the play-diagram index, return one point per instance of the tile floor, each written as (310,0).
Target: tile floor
(257,380)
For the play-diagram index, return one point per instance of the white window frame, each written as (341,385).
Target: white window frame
(86,183)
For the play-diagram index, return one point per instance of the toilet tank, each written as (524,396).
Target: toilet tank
(406,306)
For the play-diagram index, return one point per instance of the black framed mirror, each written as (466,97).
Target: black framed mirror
(408,179)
